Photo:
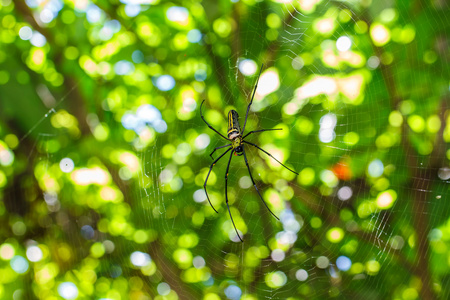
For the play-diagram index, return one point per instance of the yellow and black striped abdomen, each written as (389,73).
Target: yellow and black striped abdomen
(233,124)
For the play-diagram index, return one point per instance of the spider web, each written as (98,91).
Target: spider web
(304,253)
(377,234)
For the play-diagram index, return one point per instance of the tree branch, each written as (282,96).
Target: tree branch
(418,186)
(70,84)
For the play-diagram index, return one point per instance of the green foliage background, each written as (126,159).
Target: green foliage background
(123,223)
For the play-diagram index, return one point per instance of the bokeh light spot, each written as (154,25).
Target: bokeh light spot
(132,10)
(199,196)
(379,34)
(177,14)
(233,292)
(198,262)
(335,235)
(140,259)
(343,43)
(202,141)
(123,67)
(345,193)
(386,199)
(25,33)
(19,264)
(276,279)
(301,275)
(34,254)
(417,123)
(372,267)
(376,168)
(278,255)
(68,290)
(66,165)
(269,82)
(97,250)
(322,262)
(307,176)
(7,251)
(194,36)
(343,263)
(247,67)
(165,83)
(163,289)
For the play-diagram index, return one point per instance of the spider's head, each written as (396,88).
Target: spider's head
(236,143)
(239,150)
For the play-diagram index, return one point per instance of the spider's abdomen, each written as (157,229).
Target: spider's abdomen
(234,129)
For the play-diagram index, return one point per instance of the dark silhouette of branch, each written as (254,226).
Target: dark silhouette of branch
(421,176)
(77,102)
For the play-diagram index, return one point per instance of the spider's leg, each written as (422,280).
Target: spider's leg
(262,130)
(249,172)
(201,115)
(226,195)
(269,155)
(218,148)
(251,101)
(207,176)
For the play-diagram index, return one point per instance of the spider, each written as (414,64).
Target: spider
(237,138)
